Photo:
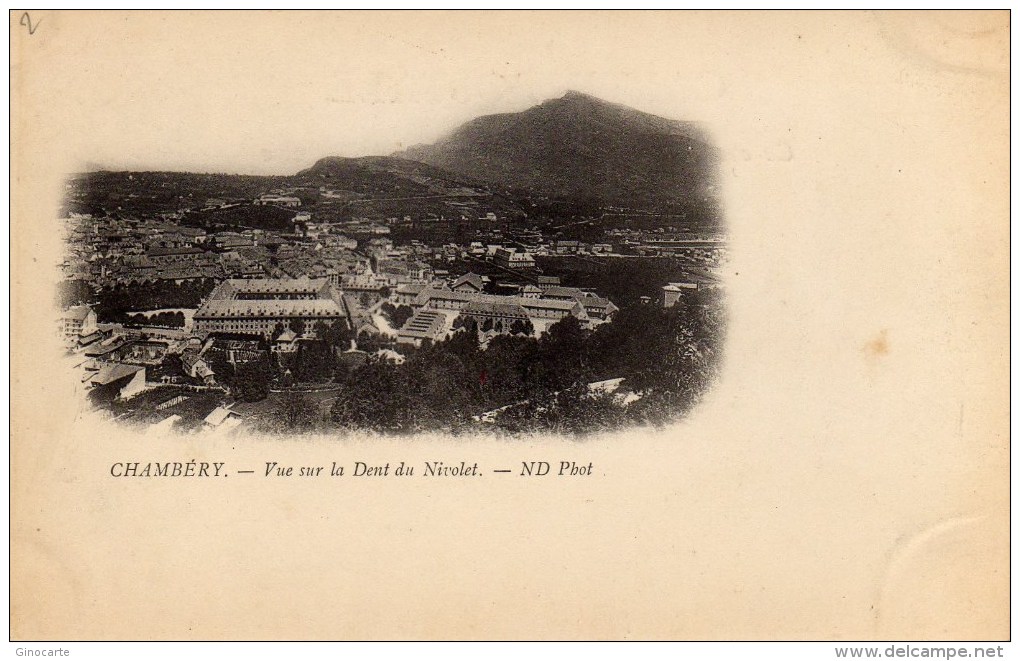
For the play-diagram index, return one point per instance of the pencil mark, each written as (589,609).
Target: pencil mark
(26,20)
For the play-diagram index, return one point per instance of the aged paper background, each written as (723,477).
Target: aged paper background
(846,479)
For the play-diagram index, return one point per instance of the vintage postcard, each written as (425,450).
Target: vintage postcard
(350,325)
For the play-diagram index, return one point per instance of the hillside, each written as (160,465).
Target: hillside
(334,188)
(143,194)
(578,146)
(567,158)
(374,176)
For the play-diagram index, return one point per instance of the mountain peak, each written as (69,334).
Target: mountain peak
(581,96)
(578,145)
(573,97)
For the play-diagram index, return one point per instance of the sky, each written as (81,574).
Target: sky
(272,92)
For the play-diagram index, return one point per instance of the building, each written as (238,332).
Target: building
(567,247)
(196,367)
(425,324)
(225,241)
(286,343)
(469,282)
(278,200)
(531,291)
(361,283)
(179,256)
(146,352)
(488,309)
(77,321)
(509,258)
(405,294)
(597,307)
(117,381)
(340,241)
(671,293)
(256,306)
(546,281)
(222,417)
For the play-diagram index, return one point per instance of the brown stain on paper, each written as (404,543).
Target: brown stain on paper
(877,346)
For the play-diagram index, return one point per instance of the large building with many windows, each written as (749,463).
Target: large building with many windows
(255,307)
(436,310)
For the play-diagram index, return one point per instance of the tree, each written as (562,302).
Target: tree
(400,315)
(666,356)
(369,342)
(522,327)
(251,381)
(372,398)
(74,292)
(298,326)
(562,352)
(222,369)
(315,361)
(295,410)
(171,365)
(320,328)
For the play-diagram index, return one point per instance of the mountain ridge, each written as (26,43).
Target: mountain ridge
(580,146)
(568,155)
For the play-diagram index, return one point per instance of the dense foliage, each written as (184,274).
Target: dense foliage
(666,356)
(397,314)
(247,216)
(161,319)
(113,302)
(74,292)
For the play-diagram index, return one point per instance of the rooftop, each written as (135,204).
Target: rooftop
(114,372)
(77,312)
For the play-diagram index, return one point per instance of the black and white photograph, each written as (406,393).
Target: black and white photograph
(555,269)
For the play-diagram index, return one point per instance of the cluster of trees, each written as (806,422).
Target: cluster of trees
(248,381)
(473,327)
(264,217)
(315,361)
(74,292)
(293,411)
(144,194)
(162,319)
(667,356)
(114,301)
(396,314)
